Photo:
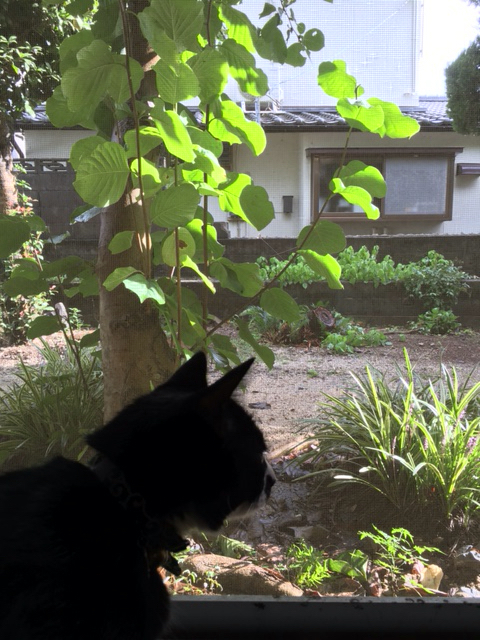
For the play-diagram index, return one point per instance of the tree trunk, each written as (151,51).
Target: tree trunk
(135,351)
(8,192)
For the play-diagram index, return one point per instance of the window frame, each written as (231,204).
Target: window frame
(449,153)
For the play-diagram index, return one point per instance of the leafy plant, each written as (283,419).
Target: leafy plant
(307,565)
(414,441)
(17,311)
(435,281)
(396,549)
(168,163)
(50,408)
(436,322)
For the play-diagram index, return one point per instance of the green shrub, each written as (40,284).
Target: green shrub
(435,281)
(50,408)
(18,312)
(414,441)
(436,322)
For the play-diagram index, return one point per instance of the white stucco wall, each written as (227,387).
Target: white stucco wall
(284,169)
(51,143)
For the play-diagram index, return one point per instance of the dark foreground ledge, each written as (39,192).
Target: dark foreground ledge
(255,617)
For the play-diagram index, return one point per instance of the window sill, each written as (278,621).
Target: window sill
(255,617)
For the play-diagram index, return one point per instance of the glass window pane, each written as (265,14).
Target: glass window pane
(416,185)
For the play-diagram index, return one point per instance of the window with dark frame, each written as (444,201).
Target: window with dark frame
(420,183)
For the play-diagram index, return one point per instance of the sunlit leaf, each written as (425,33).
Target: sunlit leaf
(174,134)
(102,176)
(359,174)
(175,82)
(211,70)
(175,206)
(118,276)
(325,266)
(181,242)
(243,69)
(335,81)
(144,288)
(121,242)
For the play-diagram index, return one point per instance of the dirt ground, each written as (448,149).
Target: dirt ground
(280,399)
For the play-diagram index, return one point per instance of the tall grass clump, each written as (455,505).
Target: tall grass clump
(412,440)
(50,408)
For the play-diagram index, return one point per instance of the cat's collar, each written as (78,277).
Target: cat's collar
(157,537)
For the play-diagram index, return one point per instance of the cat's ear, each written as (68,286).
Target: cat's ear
(220,391)
(192,375)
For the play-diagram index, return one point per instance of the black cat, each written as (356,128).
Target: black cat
(80,546)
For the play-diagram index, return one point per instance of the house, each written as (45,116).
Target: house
(432,178)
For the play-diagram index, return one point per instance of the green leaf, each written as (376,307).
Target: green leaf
(280,304)
(361,115)
(149,138)
(174,206)
(102,176)
(26,268)
(243,69)
(36,224)
(243,278)
(99,73)
(121,242)
(144,289)
(326,237)
(396,125)
(175,82)
(358,174)
(313,39)
(230,192)
(214,248)
(70,266)
(90,339)
(43,326)
(270,43)
(174,134)
(172,21)
(118,276)
(239,27)
(264,353)
(151,181)
(335,81)
(256,206)
(13,233)
(325,266)
(205,140)
(211,70)
(231,125)
(60,115)
(267,10)
(84,148)
(355,195)
(14,287)
(294,55)
(186,246)
(188,262)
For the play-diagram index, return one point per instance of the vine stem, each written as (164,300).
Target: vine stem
(145,247)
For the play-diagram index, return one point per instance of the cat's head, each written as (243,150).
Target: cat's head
(190,450)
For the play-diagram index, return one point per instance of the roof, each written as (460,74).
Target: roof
(431,114)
